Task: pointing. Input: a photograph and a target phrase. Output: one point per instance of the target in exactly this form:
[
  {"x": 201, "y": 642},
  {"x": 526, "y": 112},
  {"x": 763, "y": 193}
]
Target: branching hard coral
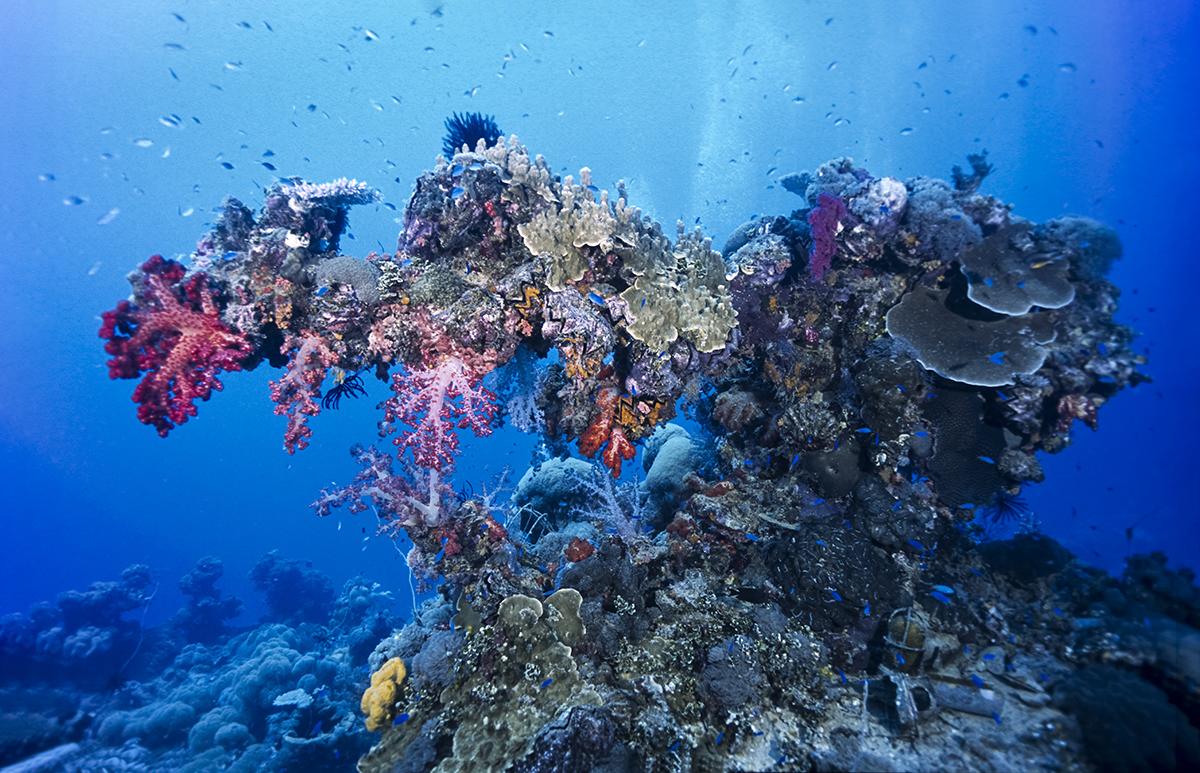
[
  {"x": 340, "y": 193},
  {"x": 429, "y": 403},
  {"x": 172, "y": 332},
  {"x": 680, "y": 291},
  {"x": 296, "y": 394}
]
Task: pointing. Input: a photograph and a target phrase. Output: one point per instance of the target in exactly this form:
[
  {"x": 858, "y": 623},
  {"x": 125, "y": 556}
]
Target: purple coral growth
[{"x": 824, "y": 220}]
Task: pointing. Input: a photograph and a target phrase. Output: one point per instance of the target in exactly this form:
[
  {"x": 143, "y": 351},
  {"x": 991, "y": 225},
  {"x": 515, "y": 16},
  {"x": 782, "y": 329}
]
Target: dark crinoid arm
[
  {"x": 351, "y": 387},
  {"x": 468, "y": 129}
]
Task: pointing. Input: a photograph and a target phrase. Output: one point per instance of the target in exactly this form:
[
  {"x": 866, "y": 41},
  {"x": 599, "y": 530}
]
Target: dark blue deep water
[{"x": 125, "y": 124}]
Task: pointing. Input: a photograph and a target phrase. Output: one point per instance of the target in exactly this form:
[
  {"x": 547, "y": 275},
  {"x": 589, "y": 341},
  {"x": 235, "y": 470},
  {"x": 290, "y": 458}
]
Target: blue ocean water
[{"x": 132, "y": 108}]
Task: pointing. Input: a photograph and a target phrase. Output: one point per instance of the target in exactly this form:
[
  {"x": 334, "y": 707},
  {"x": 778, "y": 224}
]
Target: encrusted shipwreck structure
[{"x": 796, "y": 581}]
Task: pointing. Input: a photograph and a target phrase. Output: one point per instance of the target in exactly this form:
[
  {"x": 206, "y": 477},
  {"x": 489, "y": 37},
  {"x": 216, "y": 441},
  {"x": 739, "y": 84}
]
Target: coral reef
[
  {"x": 269, "y": 697},
  {"x": 803, "y": 578}
]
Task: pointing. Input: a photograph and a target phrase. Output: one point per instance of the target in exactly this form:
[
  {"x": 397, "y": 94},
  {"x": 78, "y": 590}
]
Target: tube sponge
[{"x": 379, "y": 700}]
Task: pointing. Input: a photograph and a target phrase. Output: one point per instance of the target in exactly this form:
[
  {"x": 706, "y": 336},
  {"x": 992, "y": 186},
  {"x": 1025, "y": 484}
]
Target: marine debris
[{"x": 798, "y": 581}]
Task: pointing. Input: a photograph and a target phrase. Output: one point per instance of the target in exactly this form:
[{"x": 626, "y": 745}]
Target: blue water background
[{"x": 699, "y": 106}]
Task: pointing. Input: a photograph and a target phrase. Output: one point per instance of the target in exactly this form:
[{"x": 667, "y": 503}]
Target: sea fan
[{"x": 468, "y": 129}]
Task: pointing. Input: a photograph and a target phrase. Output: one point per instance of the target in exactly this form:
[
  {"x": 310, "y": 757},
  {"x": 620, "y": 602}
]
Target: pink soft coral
[
  {"x": 296, "y": 394},
  {"x": 173, "y": 334},
  {"x": 401, "y": 500},
  {"x": 432, "y": 401}
]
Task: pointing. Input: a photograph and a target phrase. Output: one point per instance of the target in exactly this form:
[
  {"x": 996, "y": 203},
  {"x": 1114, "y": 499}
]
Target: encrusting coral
[{"x": 379, "y": 700}]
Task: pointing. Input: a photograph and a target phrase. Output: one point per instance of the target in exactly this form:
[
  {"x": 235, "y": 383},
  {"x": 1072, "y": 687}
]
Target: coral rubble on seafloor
[{"x": 800, "y": 580}]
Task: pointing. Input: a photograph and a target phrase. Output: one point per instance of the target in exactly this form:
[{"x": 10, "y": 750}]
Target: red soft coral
[
  {"x": 432, "y": 401},
  {"x": 296, "y": 393},
  {"x": 172, "y": 333},
  {"x": 604, "y": 429}
]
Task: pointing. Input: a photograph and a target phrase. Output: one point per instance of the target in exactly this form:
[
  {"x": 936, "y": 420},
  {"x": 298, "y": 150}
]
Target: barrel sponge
[
  {"x": 1008, "y": 273},
  {"x": 379, "y": 700},
  {"x": 979, "y": 352}
]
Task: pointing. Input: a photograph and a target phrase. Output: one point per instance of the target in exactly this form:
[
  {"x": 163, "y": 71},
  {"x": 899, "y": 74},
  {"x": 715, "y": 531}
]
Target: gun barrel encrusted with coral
[{"x": 868, "y": 372}]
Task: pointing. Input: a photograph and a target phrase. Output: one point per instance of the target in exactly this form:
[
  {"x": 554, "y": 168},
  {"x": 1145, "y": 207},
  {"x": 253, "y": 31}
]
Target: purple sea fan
[{"x": 825, "y": 221}]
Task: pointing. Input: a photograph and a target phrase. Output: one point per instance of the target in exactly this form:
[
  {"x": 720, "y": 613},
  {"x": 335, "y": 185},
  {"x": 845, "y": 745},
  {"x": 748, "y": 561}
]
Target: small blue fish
[
  {"x": 836, "y": 596},
  {"x": 456, "y": 192},
  {"x": 939, "y": 596},
  {"x": 921, "y": 433},
  {"x": 752, "y": 537},
  {"x": 867, "y": 609},
  {"x": 996, "y": 716},
  {"x": 456, "y": 170},
  {"x": 944, "y": 589},
  {"x": 916, "y": 544},
  {"x": 990, "y": 656},
  {"x": 997, "y": 358},
  {"x": 321, "y": 291},
  {"x": 900, "y": 658},
  {"x": 400, "y": 719},
  {"x": 720, "y": 737},
  {"x": 986, "y": 459},
  {"x": 978, "y": 682},
  {"x": 897, "y": 505},
  {"x": 229, "y": 255},
  {"x": 674, "y": 747},
  {"x": 842, "y": 676},
  {"x": 317, "y": 728},
  {"x": 864, "y": 430},
  {"x": 546, "y": 683},
  {"x": 596, "y": 298},
  {"x": 440, "y": 555},
  {"x": 818, "y": 501},
  {"x": 227, "y": 165},
  {"x": 822, "y": 543}
]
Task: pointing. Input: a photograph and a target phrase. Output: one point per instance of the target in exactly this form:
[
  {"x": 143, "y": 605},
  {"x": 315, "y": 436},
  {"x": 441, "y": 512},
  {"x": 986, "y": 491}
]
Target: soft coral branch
[
  {"x": 400, "y": 501},
  {"x": 296, "y": 394},
  {"x": 429, "y": 403},
  {"x": 173, "y": 333},
  {"x": 605, "y": 430}
]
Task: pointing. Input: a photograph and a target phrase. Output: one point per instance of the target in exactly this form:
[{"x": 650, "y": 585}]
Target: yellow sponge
[{"x": 379, "y": 700}]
